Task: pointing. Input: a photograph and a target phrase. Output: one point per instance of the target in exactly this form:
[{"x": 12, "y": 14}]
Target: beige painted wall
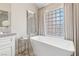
[
  {"x": 18, "y": 17},
  {"x": 41, "y": 12},
  {"x": 5, "y": 6}
]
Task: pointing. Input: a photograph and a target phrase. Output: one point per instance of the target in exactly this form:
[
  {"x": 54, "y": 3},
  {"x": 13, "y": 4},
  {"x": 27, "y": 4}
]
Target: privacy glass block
[
  {"x": 54, "y": 19},
  {"x": 58, "y": 18},
  {"x": 57, "y": 11},
  {"x": 57, "y": 14},
  {"x": 61, "y": 9},
  {"x": 54, "y": 15},
  {"x": 61, "y": 13},
  {"x": 55, "y": 22},
  {"x": 62, "y": 18},
  {"x": 53, "y": 12}
]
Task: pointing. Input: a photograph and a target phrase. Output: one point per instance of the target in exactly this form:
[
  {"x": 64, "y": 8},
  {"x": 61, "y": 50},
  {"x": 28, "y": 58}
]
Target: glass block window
[{"x": 54, "y": 22}]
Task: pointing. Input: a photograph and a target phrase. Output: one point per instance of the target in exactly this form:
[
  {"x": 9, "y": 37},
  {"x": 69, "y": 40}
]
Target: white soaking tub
[{"x": 51, "y": 46}]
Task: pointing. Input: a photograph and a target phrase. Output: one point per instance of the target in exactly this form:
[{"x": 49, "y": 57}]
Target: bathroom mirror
[
  {"x": 31, "y": 23},
  {"x": 4, "y": 18}
]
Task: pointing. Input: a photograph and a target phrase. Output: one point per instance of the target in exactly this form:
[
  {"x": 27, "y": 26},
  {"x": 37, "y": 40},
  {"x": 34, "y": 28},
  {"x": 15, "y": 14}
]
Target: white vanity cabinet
[{"x": 7, "y": 45}]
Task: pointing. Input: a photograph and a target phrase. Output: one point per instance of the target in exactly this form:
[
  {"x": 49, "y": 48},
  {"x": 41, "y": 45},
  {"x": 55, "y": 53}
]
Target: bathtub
[{"x": 51, "y": 46}]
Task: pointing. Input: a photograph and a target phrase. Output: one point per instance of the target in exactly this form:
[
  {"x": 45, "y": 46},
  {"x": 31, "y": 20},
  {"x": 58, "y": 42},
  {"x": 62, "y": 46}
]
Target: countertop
[{"x": 7, "y": 34}]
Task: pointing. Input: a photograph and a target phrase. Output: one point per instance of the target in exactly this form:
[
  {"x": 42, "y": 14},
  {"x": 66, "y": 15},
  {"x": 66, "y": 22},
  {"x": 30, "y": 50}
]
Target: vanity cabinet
[
  {"x": 6, "y": 51},
  {"x": 7, "y": 45}
]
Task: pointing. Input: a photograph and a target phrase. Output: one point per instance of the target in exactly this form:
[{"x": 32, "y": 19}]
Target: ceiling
[{"x": 40, "y": 5}]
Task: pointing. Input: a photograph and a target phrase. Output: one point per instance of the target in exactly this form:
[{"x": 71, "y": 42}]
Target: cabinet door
[{"x": 6, "y": 51}]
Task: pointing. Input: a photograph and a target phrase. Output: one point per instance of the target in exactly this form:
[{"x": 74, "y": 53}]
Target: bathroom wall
[
  {"x": 6, "y": 7},
  {"x": 18, "y": 17},
  {"x": 41, "y": 14}
]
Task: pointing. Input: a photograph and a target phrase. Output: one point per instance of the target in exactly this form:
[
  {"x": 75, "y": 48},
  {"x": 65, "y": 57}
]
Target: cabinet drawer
[
  {"x": 6, "y": 51},
  {"x": 4, "y": 41}
]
